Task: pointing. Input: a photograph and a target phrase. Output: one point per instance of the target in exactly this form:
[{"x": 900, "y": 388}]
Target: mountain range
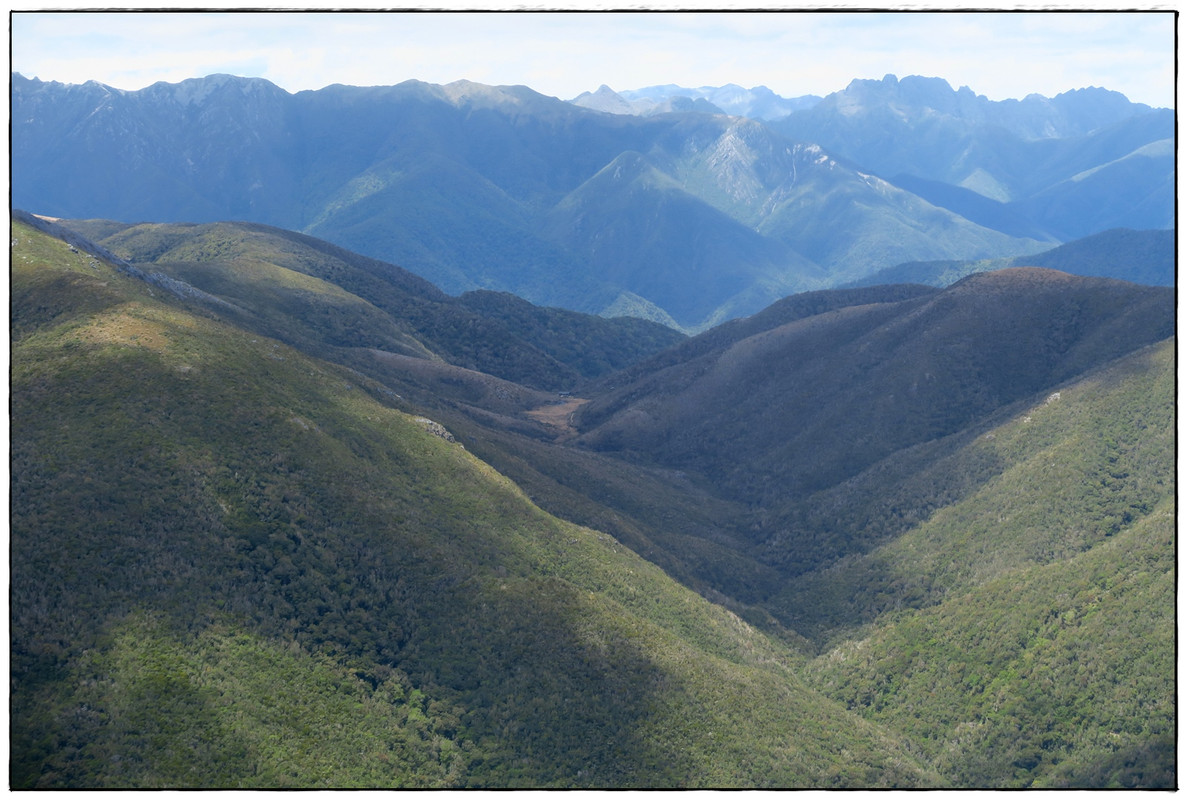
[
  {"x": 758, "y": 102},
  {"x": 284, "y": 515},
  {"x": 1082, "y": 162},
  {"x": 688, "y": 217}
]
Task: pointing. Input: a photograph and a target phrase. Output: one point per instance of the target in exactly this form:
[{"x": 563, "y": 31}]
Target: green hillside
[
  {"x": 802, "y": 406},
  {"x": 306, "y": 292},
  {"x": 1054, "y": 676},
  {"x": 291, "y": 287},
  {"x": 1059, "y": 476},
  {"x": 236, "y": 565},
  {"x": 1044, "y": 653},
  {"x": 283, "y": 516}
]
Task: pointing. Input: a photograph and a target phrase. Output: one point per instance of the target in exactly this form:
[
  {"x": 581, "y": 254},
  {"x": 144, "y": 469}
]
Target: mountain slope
[
  {"x": 1047, "y": 629},
  {"x": 882, "y": 222},
  {"x": 291, "y": 286},
  {"x": 805, "y": 405},
  {"x": 253, "y": 548},
  {"x": 1146, "y": 257},
  {"x": 1013, "y": 151},
  {"x": 643, "y": 232},
  {"x": 1132, "y": 191},
  {"x": 269, "y": 550},
  {"x": 957, "y": 131},
  {"x": 428, "y": 350},
  {"x": 1039, "y": 483},
  {"x": 482, "y": 188}
]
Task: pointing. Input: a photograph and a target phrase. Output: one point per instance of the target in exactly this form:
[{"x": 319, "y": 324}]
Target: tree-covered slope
[
  {"x": 1052, "y": 479},
  {"x": 1039, "y": 648},
  {"x": 1144, "y": 256},
  {"x": 428, "y": 350},
  {"x": 1056, "y": 676},
  {"x": 237, "y": 565},
  {"x": 642, "y": 231},
  {"x": 305, "y": 291},
  {"x": 271, "y": 528},
  {"x": 801, "y": 406}
]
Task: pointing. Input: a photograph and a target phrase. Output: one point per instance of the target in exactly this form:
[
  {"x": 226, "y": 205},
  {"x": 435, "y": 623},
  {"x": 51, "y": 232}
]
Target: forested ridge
[{"x": 283, "y": 517}]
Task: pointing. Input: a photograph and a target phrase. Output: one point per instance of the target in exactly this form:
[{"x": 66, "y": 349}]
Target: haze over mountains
[
  {"x": 687, "y": 217},
  {"x": 318, "y": 499},
  {"x": 758, "y": 102}
]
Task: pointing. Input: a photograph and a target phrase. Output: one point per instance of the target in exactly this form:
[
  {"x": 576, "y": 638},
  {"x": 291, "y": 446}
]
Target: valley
[
  {"x": 559, "y": 415},
  {"x": 459, "y": 436},
  {"x": 284, "y": 515}
]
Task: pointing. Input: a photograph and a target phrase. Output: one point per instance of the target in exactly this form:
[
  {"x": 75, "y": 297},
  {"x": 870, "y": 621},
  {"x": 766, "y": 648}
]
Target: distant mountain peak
[
  {"x": 470, "y": 93},
  {"x": 192, "y": 91},
  {"x": 758, "y": 102},
  {"x": 604, "y": 99}
]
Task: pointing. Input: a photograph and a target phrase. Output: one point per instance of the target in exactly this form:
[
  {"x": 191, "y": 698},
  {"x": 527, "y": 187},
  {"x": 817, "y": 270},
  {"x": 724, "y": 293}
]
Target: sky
[{"x": 998, "y": 54}]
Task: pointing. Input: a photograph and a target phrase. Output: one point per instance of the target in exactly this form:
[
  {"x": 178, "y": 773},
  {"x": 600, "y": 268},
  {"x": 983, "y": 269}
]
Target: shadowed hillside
[
  {"x": 235, "y": 565},
  {"x": 1043, "y": 654},
  {"x": 353, "y": 301},
  {"x": 804, "y": 405},
  {"x": 285, "y": 516}
]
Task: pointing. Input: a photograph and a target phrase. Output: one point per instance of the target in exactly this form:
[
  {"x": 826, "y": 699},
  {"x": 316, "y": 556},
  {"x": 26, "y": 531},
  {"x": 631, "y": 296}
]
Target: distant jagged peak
[
  {"x": 1098, "y": 92},
  {"x": 916, "y": 98},
  {"x": 920, "y": 89},
  {"x": 757, "y": 102},
  {"x": 912, "y": 91},
  {"x": 19, "y": 81},
  {"x": 196, "y": 90}
]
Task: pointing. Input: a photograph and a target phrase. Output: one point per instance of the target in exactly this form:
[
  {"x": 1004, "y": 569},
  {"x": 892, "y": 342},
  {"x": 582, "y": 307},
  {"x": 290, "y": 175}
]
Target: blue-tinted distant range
[
  {"x": 997, "y": 54},
  {"x": 604, "y": 163}
]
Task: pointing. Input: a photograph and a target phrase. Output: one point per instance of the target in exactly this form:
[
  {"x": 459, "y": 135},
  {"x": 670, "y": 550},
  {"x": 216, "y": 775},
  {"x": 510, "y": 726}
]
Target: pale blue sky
[{"x": 997, "y": 54}]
